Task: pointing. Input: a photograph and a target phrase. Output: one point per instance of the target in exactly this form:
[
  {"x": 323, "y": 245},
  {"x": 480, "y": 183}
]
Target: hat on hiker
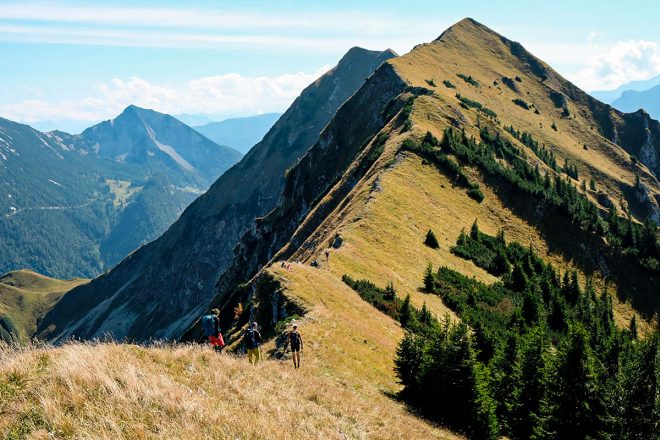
[
  {"x": 215, "y": 312},
  {"x": 295, "y": 325}
]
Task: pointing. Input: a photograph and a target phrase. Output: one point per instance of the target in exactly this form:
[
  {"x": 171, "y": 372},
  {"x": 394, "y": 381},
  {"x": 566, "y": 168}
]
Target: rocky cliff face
[{"x": 160, "y": 289}]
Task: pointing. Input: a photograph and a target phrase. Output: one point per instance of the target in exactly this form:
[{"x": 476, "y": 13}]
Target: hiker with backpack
[
  {"x": 252, "y": 340},
  {"x": 296, "y": 342},
  {"x": 211, "y": 327}
]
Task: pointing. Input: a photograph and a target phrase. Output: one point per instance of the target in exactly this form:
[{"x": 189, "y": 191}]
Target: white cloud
[
  {"x": 619, "y": 63},
  {"x": 214, "y": 95}
]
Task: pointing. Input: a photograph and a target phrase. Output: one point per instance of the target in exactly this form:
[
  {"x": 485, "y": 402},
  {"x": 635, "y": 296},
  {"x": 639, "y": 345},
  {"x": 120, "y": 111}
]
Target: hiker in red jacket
[{"x": 211, "y": 327}]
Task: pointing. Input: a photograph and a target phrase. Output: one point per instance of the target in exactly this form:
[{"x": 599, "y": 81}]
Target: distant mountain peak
[
  {"x": 465, "y": 26},
  {"x": 358, "y": 54}
]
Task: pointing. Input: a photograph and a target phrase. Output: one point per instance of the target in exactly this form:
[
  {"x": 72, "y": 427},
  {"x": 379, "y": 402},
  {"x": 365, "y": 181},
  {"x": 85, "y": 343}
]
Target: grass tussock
[{"x": 129, "y": 392}]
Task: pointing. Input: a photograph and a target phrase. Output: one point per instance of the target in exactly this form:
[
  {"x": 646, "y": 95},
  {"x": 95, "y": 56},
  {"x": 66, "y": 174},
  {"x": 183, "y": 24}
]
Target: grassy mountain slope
[
  {"x": 25, "y": 297},
  {"x": 128, "y": 392},
  {"x": 588, "y": 122},
  {"x": 170, "y": 281}
]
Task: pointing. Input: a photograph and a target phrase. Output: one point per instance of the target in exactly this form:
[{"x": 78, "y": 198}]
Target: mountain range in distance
[
  {"x": 633, "y": 100},
  {"x": 633, "y": 96},
  {"x": 609, "y": 96},
  {"x": 75, "y": 205},
  {"x": 239, "y": 133}
]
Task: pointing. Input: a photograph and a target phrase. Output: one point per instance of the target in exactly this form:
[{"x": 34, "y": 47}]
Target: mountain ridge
[
  {"x": 195, "y": 250},
  {"x": 557, "y": 95}
]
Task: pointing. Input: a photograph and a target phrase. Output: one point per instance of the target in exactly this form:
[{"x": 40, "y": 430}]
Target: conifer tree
[
  {"x": 518, "y": 278},
  {"x": 529, "y": 384},
  {"x": 575, "y": 408},
  {"x": 640, "y": 406},
  {"x": 633, "y": 327},
  {"x": 474, "y": 230},
  {"x": 405, "y": 313},
  {"x": 409, "y": 361},
  {"x": 425, "y": 316},
  {"x": 484, "y": 423},
  {"x": 502, "y": 366},
  {"x": 428, "y": 278}
]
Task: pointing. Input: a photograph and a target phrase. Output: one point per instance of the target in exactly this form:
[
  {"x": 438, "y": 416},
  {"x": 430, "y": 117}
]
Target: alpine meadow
[{"x": 445, "y": 239}]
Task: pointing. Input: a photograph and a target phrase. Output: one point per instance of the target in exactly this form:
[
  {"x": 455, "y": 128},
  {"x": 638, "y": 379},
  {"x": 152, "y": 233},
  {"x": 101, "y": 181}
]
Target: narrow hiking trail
[{"x": 50, "y": 208}]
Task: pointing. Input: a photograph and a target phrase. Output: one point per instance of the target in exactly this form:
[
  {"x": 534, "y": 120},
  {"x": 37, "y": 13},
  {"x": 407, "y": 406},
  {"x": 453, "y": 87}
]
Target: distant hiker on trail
[
  {"x": 252, "y": 340},
  {"x": 327, "y": 256},
  {"x": 211, "y": 327},
  {"x": 296, "y": 342}
]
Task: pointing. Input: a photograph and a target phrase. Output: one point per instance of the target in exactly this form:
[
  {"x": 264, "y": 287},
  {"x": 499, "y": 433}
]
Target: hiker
[
  {"x": 296, "y": 342},
  {"x": 327, "y": 255},
  {"x": 211, "y": 327},
  {"x": 252, "y": 340}
]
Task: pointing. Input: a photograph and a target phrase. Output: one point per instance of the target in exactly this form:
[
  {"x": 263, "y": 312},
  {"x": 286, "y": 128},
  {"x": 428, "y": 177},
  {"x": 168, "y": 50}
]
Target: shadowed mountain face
[
  {"x": 74, "y": 205},
  {"x": 159, "y": 290},
  {"x": 239, "y": 133}
]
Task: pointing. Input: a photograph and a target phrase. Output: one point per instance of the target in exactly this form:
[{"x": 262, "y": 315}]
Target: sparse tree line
[
  {"x": 535, "y": 355},
  {"x": 497, "y": 157}
]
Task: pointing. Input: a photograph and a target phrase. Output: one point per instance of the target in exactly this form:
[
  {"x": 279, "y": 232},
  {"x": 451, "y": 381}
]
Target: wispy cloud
[
  {"x": 190, "y": 27},
  {"x": 213, "y": 95},
  {"x": 616, "y": 64}
]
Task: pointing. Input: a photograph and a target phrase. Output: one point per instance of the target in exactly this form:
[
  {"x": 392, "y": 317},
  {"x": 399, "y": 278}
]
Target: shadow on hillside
[
  {"x": 586, "y": 251},
  {"x": 414, "y": 410}
]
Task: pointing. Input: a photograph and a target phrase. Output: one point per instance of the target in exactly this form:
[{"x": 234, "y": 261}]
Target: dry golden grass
[{"x": 185, "y": 392}]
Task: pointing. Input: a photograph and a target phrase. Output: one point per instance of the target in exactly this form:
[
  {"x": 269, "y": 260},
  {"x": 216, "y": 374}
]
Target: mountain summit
[{"x": 149, "y": 138}]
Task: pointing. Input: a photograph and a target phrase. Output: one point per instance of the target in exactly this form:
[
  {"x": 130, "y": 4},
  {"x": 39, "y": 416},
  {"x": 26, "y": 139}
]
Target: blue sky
[{"x": 69, "y": 64}]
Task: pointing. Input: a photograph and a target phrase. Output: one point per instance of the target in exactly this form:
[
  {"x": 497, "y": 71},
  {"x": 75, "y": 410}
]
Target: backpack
[
  {"x": 295, "y": 339},
  {"x": 250, "y": 339},
  {"x": 208, "y": 325}
]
